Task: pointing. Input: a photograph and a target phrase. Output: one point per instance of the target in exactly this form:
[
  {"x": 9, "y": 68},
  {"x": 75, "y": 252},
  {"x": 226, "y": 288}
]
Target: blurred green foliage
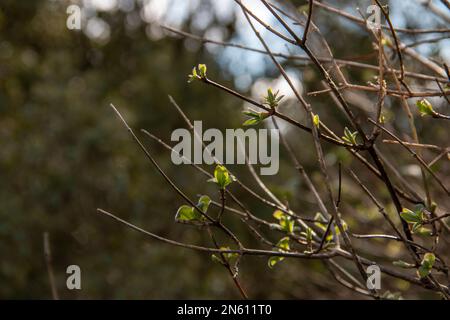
[{"x": 64, "y": 153}]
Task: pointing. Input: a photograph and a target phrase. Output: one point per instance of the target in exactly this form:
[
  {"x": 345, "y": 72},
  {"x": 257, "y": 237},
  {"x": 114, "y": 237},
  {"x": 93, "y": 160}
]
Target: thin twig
[
  {"x": 48, "y": 261},
  {"x": 308, "y": 21},
  {"x": 415, "y": 155}
]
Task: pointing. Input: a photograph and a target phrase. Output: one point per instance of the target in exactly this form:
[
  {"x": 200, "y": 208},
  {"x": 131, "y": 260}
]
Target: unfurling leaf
[
  {"x": 316, "y": 120},
  {"x": 286, "y": 222},
  {"x": 278, "y": 214},
  {"x": 222, "y": 177},
  {"x": 349, "y": 136},
  {"x": 425, "y": 107},
  {"x": 416, "y": 218},
  {"x": 321, "y": 222},
  {"x": 426, "y": 265},
  {"x": 423, "y": 272},
  {"x": 193, "y": 76},
  {"x": 273, "y": 261},
  {"x": 251, "y": 122},
  {"x": 255, "y": 117},
  {"x": 428, "y": 260},
  {"x": 282, "y": 246},
  {"x": 198, "y": 73},
  {"x": 272, "y": 99},
  {"x": 308, "y": 234},
  {"x": 422, "y": 231},
  {"x": 186, "y": 213},
  {"x": 251, "y": 113},
  {"x": 203, "y": 203},
  {"x": 411, "y": 216},
  {"x": 202, "y": 70}
]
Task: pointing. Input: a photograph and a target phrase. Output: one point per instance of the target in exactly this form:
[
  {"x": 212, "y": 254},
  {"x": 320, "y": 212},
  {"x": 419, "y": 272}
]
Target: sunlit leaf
[
  {"x": 186, "y": 213},
  {"x": 425, "y": 107},
  {"x": 203, "y": 203},
  {"x": 410, "y": 216},
  {"x": 272, "y": 99},
  {"x": 282, "y": 246},
  {"x": 222, "y": 176},
  {"x": 202, "y": 70},
  {"x": 273, "y": 261},
  {"x": 316, "y": 120},
  {"x": 278, "y": 214},
  {"x": 426, "y": 265}
]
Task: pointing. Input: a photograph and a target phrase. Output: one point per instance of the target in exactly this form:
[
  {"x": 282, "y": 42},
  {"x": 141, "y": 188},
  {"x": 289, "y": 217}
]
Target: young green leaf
[
  {"x": 285, "y": 221},
  {"x": 410, "y": 216},
  {"x": 416, "y": 218},
  {"x": 426, "y": 265},
  {"x": 416, "y": 226},
  {"x": 428, "y": 260},
  {"x": 308, "y": 234},
  {"x": 273, "y": 261},
  {"x": 203, "y": 203},
  {"x": 287, "y": 224},
  {"x": 321, "y": 222},
  {"x": 186, "y": 213},
  {"x": 278, "y": 214},
  {"x": 222, "y": 177},
  {"x": 270, "y": 95},
  {"x": 423, "y": 271},
  {"x": 193, "y": 76},
  {"x": 425, "y": 107},
  {"x": 316, "y": 120},
  {"x": 255, "y": 117},
  {"x": 251, "y": 113},
  {"x": 198, "y": 73},
  {"x": 349, "y": 136},
  {"x": 272, "y": 99},
  {"x": 202, "y": 70},
  {"x": 282, "y": 246},
  {"x": 251, "y": 122},
  {"x": 422, "y": 231}
]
